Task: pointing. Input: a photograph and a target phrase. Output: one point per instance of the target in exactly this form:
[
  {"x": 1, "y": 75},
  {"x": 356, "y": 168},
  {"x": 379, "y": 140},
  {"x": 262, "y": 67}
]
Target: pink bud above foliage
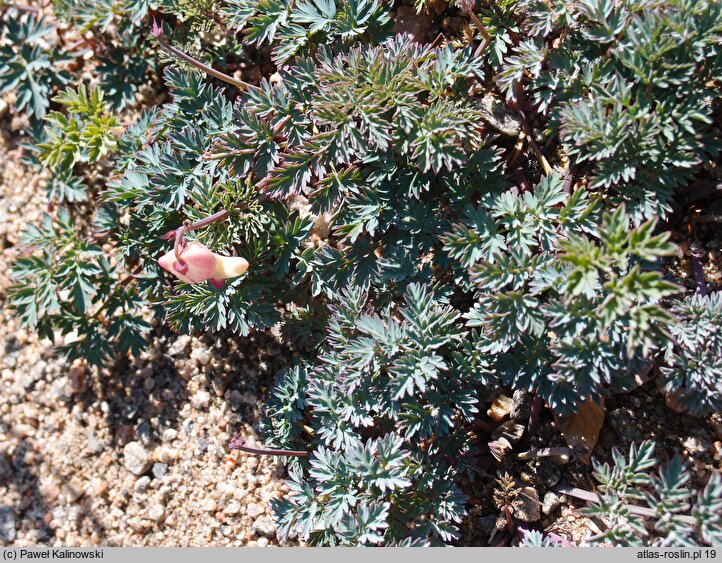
[
  {"x": 200, "y": 263},
  {"x": 156, "y": 30}
]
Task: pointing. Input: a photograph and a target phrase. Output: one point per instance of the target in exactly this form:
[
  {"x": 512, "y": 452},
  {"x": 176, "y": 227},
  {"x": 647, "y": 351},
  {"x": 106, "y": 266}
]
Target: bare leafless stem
[{"x": 163, "y": 42}]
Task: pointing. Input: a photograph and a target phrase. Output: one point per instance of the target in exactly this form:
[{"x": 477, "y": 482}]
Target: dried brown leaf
[{"x": 581, "y": 430}]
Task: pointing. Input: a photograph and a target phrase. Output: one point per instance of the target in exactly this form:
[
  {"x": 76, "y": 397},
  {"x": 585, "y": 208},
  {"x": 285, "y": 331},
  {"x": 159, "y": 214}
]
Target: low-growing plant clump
[{"x": 430, "y": 222}]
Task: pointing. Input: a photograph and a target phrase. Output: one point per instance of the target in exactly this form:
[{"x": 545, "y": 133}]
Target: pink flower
[
  {"x": 156, "y": 30},
  {"x": 199, "y": 263}
]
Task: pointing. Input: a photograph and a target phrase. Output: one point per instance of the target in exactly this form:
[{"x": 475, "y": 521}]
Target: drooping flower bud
[
  {"x": 156, "y": 30},
  {"x": 199, "y": 263}
]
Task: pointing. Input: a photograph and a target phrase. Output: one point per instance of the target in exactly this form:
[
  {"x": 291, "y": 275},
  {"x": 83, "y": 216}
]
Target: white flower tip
[{"x": 230, "y": 267}]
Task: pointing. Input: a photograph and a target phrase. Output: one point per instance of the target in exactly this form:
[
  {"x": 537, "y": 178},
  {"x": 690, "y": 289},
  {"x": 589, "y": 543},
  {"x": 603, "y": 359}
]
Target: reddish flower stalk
[
  {"x": 188, "y": 226},
  {"x": 509, "y": 520},
  {"x": 239, "y": 443},
  {"x": 178, "y": 247},
  {"x": 157, "y": 32},
  {"x": 484, "y": 33}
]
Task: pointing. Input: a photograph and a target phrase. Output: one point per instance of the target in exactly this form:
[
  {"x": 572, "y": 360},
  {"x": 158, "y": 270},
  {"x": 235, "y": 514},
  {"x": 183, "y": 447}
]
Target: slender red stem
[
  {"x": 509, "y": 520},
  {"x": 188, "y": 226},
  {"x": 180, "y": 265}
]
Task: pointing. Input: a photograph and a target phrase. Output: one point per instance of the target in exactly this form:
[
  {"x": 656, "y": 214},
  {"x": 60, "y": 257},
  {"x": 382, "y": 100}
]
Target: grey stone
[
  {"x": 552, "y": 501},
  {"x": 548, "y": 473},
  {"x": 73, "y": 490},
  {"x": 33, "y": 376},
  {"x": 159, "y": 470},
  {"x": 264, "y": 526},
  {"x": 233, "y": 507},
  {"x": 144, "y": 433},
  {"x": 180, "y": 346},
  {"x": 156, "y": 512},
  {"x": 94, "y": 444},
  {"x": 7, "y": 524},
  {"x": 136, "y": 458},
  {"x": 527, "y": 505},
  {"x": 209, "y": 505},
  {"x": 59, "y": 389},
  {"x": 142, "y": 484},
  {"x": 495, "y": 113},
  {"x": 622, "y": 422},
  {"x": 201, "y": 399},
  {"x": 187, "y": 427}
]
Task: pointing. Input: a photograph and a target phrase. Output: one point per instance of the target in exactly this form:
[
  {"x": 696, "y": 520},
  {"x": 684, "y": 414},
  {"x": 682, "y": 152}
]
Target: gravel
[
  {"x": 698, "y": 442},
  {"x": 99, "y": 457}
]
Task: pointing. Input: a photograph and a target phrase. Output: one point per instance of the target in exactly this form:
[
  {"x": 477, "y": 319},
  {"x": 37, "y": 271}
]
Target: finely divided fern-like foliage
[
  {"x": 388, "y": 401},
  {"x": 629, "y": 90},
  {"x": 642, "y": 507},
  {"x": 27, "y": 68},
  {"x": 693, "y": 360},
  {"x": 425, "y": 222},
  {"x": 292, "y": 28},
  {"x": 679, "y": 517}
]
